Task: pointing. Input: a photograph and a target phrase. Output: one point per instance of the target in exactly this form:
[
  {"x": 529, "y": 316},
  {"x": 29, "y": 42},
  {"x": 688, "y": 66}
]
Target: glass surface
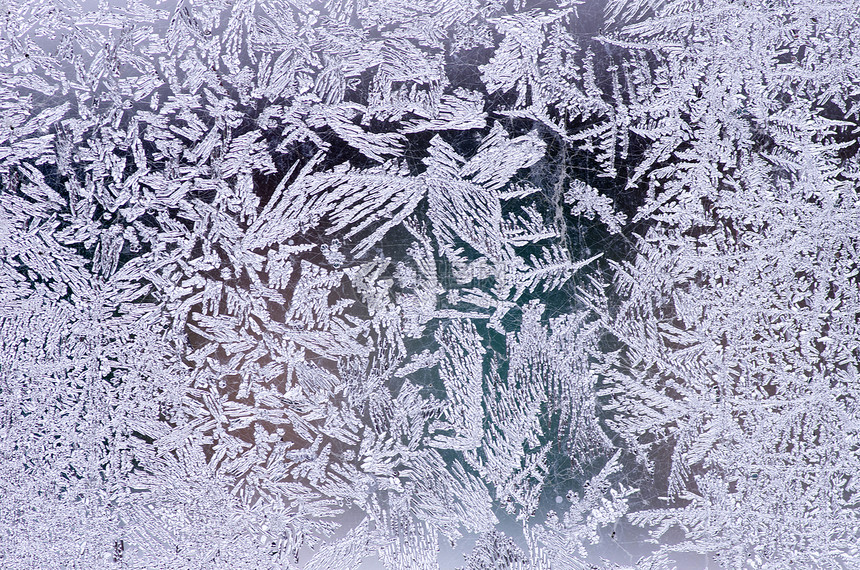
[{"x": 429, "y": 284}]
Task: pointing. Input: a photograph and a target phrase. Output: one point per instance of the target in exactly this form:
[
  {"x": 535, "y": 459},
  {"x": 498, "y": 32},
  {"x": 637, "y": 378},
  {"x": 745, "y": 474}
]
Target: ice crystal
[{"x": 423, "y": 284}]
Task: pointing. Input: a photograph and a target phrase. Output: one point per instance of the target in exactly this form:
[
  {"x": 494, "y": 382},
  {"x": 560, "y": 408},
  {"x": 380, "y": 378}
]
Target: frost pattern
[{"x": 336, "y": 284}]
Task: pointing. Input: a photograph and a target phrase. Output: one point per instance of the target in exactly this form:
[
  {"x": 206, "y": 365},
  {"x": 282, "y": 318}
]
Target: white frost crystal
[{"x": 398, "y": 284}]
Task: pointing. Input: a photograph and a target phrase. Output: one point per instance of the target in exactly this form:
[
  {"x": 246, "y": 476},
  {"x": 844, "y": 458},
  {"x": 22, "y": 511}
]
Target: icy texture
[{"x": 413, "y": 284}]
